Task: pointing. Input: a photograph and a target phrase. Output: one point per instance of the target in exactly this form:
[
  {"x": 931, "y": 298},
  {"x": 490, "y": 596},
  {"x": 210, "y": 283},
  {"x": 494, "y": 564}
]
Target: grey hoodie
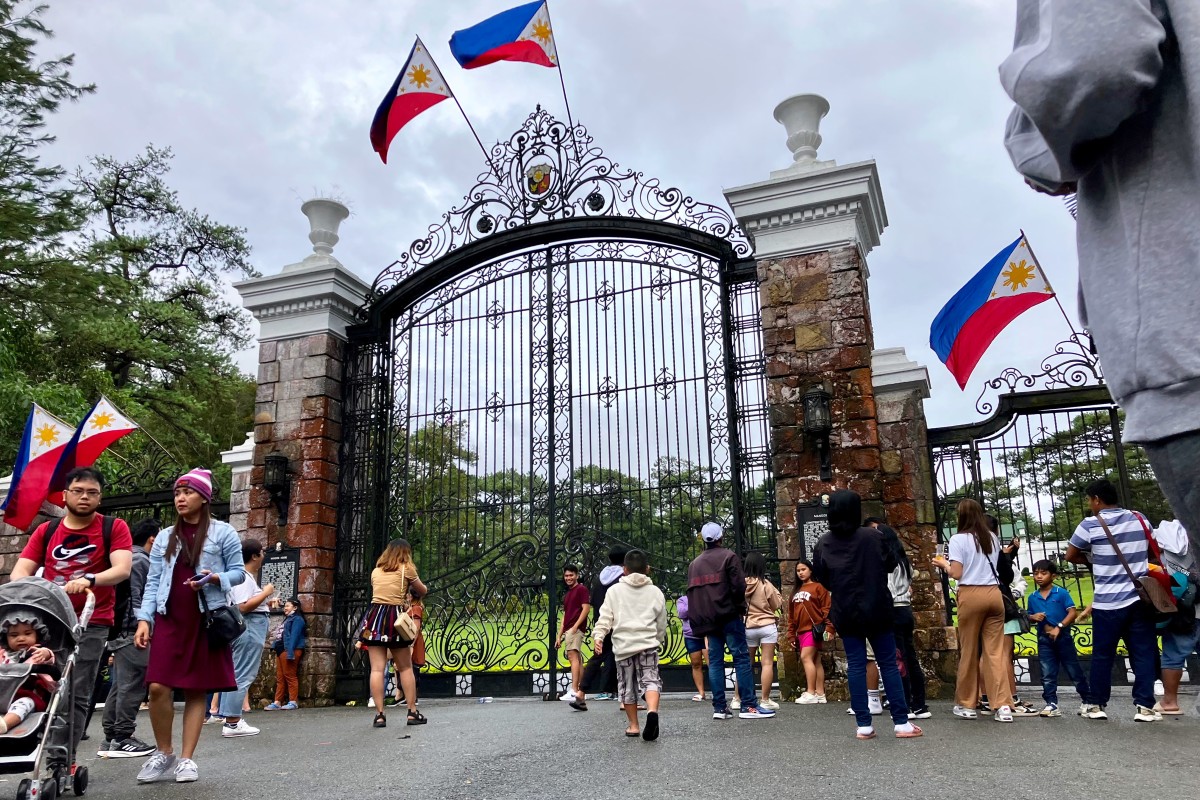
[{"x": 1108, "y": 96}]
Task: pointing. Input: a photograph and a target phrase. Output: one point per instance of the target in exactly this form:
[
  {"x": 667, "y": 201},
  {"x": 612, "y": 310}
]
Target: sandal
[
  {"x": 380, "y": 721},
  {"x": 697, "y": 698},
  {"x": 416, "y": 718}
]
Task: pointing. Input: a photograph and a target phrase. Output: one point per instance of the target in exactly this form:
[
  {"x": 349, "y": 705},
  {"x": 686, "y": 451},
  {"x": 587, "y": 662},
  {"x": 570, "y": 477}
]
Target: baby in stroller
[{"x": 21, "y": 635}]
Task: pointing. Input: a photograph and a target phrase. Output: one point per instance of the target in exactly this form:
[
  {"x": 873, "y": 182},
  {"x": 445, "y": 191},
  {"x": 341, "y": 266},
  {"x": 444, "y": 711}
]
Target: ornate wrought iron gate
[
  {"x": 571, "y": 360},
  {"x": 1029, "y": 462}
]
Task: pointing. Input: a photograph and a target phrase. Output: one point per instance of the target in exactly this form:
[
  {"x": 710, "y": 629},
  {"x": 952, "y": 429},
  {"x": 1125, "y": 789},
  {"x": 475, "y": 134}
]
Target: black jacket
[
  {"x": 716, "y": 590},
  {"x": 853, "y": 564}
]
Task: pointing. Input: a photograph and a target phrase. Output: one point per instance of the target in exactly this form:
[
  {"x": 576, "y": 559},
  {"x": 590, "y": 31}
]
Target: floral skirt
[{"x": 378, "y": 627}]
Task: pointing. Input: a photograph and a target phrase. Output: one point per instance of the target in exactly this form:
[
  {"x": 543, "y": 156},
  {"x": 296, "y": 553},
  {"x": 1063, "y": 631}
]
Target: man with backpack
[
  {"x": 81, "y": 552},
  {"x": 716, "y": 610},
  {"x": 129, "y": 662}
]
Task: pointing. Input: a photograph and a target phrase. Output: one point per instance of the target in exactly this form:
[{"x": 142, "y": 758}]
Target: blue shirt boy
[{"x": 1055, "y": 605}]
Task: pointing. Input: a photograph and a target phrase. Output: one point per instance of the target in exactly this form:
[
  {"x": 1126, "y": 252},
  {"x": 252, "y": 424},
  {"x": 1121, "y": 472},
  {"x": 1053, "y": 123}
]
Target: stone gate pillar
[
  {"x": 303, "y": 312},
  {"x": 813, "y": 225}
]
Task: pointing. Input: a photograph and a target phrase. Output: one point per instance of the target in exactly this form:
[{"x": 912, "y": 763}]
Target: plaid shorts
[{"x": 637, "y": 675}]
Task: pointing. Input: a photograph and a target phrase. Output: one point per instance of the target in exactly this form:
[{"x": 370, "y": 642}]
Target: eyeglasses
[{"x": 91, "y": 494}]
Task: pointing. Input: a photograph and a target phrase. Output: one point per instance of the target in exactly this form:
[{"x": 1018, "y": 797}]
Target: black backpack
[{"x": 123, "y": 590}]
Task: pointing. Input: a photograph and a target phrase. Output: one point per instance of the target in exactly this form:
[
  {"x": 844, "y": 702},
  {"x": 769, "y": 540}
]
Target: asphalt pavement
[{"x": 530, "y": 749}]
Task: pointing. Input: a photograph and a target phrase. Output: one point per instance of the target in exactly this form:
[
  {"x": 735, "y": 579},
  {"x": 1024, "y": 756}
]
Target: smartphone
[{"x": 201, "y": 578}]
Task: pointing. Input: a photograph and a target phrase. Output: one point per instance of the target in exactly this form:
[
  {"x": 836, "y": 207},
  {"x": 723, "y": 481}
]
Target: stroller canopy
[{"x": 49, "y": 603}]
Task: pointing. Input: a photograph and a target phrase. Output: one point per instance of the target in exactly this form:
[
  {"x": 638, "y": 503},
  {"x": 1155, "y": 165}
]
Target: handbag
[
  {"x": 222, "y": 625},
  {"x": 405, "y": 626},
  {"x": 1012, "y": 611},
  {"x": 1148, "y": 589}
]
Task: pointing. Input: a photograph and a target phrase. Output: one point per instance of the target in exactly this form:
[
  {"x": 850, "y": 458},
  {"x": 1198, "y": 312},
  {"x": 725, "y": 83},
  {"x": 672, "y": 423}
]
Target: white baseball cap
[{"x": 711, "y": 532}]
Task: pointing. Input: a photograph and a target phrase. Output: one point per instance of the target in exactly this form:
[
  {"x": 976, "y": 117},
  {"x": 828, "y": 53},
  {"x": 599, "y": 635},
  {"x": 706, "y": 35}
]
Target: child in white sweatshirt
[{"x": 635, "y": 613}]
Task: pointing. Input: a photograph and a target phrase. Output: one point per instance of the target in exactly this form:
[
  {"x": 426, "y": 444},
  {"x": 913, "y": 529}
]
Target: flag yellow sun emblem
[
  {"x": 1018, "y": 275},
  {"x": 47, "y": 435},
  {"x": 103, "y": 420},
  {"x": 541, "y": 31},
  {"x": 420, "y": 76}
]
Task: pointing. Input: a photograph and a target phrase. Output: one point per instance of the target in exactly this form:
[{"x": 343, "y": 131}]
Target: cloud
[{"x": 266, "y": 104}]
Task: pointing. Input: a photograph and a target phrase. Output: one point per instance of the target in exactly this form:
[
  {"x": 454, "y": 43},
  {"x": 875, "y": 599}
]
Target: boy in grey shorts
[{"x": 635, "y": 613}]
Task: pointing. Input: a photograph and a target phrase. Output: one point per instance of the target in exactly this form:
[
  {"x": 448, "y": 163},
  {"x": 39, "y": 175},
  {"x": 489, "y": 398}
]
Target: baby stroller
[{"x": 40, "y": 746}]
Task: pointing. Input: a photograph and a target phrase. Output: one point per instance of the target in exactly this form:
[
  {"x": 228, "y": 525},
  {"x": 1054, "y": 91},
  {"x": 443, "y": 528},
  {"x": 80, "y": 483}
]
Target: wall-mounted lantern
[
  {"x": 277, "y": 482},
  {"x": 818, "y": 424}
]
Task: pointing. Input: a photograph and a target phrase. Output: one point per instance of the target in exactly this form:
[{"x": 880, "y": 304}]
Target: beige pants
[{"x": 981, "y": 645}]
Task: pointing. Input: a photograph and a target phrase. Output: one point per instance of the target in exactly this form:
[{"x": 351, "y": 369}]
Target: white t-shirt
[
  {"x": 976, "y": 571},
  {"x": 246, "y": 590}
]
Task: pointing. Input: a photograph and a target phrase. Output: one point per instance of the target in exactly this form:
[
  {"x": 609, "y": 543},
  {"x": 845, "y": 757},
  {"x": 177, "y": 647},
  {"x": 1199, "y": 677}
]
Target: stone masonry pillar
[
  {"x": 813, "y": 224},
  {"x": 303, "y": 312}
]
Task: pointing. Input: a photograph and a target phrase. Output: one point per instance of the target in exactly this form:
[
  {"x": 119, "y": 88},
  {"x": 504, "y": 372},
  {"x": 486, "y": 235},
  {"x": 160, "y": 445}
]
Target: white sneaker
[
  {"x": 735, "y": 705},
  {"x": 240, "y": 729},
  {"x": 1146, "y": 715},
  {"x": 156, "y": 767},
  {"x": 185, "y": 771},
  {"x": 1093, "y": 712},
  {"x": 1004, "y": 714},
  {"x": 806, "y": 699},
  {"x": 771, "y": 704},
  {"x": 965, "y": 713},
  {"x": 875, "y": 706},
  {"x": 821, "y": 699}
]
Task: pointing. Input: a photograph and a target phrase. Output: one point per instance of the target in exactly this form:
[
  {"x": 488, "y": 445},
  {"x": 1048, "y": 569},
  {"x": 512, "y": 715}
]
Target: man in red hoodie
[{"x": 717, "y": 609}]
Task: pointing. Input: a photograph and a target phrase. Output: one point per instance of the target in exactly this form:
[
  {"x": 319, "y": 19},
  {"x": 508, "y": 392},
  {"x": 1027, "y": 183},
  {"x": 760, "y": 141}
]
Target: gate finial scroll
[{"x": 545, "y": 171}]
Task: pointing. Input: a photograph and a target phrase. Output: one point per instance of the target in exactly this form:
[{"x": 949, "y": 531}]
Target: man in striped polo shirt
[{"x": 1117, "y": 613}]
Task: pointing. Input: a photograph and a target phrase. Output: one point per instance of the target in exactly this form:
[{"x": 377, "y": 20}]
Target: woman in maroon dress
[{"x": 181, "y": 657}]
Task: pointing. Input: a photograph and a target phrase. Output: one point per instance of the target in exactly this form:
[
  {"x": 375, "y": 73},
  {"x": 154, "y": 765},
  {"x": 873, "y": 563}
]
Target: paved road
[{"x": 528, "y": 749}]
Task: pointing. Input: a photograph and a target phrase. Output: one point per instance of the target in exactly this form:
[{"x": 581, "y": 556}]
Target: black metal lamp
[
  {"x": 277, "y": 483},
  {"x": 818, "y": 424}
]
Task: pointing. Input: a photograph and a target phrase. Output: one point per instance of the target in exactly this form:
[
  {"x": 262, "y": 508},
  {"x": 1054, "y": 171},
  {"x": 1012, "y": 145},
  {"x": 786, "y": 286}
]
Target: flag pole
[
  {"x": 1038, "y": 264},
  {"x": 454, "y": 96},
  {"x": 562, "y": 82}
]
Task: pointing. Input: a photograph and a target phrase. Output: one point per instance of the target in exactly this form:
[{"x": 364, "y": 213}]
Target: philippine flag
[
  {"x": 417, "y": 88},
  {"x": 1010, "y": 284},
  {"x": 45, "y": 439},
  {"x": 103, "y": 425},
  {"x": 519, "y": 34}
]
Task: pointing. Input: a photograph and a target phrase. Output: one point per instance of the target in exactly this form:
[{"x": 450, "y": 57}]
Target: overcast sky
[{"x": 268, "y": 103}]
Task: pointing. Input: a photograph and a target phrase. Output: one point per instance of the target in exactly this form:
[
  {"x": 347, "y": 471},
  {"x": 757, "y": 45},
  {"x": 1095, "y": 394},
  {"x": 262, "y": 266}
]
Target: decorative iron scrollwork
[
  {"x": 1073, "y": 363},
  {"x": 548, "y": 171}
]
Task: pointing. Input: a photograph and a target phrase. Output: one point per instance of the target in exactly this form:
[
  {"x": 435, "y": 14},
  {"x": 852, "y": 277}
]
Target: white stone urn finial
[
  {"x": 801, "y": 118},
  {"x": 324, "y": 217}
]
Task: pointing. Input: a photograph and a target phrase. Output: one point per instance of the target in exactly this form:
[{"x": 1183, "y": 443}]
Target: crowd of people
[{"x": 858, "y": 586}]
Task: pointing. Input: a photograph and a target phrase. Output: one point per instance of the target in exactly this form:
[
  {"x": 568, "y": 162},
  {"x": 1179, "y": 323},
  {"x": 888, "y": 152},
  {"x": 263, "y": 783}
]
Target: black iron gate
[
  {"x": 1029, "y": 462},
  {"x": 571, "y": 360}
]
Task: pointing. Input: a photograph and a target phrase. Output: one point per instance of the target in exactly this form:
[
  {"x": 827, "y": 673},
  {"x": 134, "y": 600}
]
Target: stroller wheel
[
  {"x": 81, "y": 781},
  {"x": 23, "y": 789}
]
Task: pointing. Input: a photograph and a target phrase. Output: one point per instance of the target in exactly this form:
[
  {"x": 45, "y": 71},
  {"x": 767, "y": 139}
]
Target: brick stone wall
[
  {"x": 298, "y": 412},
  {"x": 817, "y": 331}
]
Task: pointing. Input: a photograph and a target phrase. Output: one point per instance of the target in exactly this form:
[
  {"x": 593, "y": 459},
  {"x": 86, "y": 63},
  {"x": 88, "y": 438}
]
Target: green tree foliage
[
  {"x": 108, "y": 283},
  {"x": 1043, "y": 482}
]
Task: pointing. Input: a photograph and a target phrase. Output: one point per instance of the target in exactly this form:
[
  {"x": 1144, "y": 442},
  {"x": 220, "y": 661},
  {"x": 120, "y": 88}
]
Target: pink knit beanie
[{"x": 198, "y": 480}]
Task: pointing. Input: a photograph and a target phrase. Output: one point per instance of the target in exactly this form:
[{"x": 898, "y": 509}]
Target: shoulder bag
[
  {"x": 221, "y": 625},
  {"x": 405, "y": 626},
  {"x": 1012, "y": 611},
  {"x": 1148, "y": 589}
]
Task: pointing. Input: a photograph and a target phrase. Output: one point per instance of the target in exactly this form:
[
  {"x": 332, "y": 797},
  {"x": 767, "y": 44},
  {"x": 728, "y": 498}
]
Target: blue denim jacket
[
  {"x": 295, "y": 634},
  {"x": 222, "y": 554}
]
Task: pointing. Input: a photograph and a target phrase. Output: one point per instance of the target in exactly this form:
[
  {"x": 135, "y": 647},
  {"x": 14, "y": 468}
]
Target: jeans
[
  {"x": 127, "y": 692},
  {"x": 602, "y": 666},
  {"x": 1056, "y": 653},
  {"x": 734, "y": 637},
  {"x": 247, "y": 655},
  {"x": 1135, "y": 625},
  {"x": 884, "y": 645},
  {"x": 914, "y": 684},
  {"x": 87, "y": 667}
]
